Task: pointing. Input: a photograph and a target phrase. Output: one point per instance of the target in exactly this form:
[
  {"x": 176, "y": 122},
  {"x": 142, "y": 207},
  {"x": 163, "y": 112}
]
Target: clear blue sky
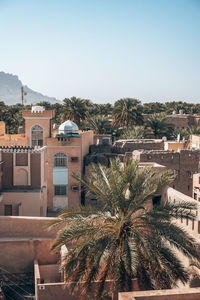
[{"x": 104, "y": 50}]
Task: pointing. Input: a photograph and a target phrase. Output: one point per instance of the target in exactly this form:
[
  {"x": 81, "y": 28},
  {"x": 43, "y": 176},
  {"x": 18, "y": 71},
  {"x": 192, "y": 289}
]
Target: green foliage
[
  {"x": 127, "y": 238},
  {"x": 159, "y": 126},
  {"x": 127, "y": 112},
  {"x": 75, "y": 109},
  {"x": 185, "y": 133},
  {"x": 99, "y": 124},
  {"x": 136, "y": 132}
]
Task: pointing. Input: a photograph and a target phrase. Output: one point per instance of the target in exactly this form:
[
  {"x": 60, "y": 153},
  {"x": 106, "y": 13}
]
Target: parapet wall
[
  {"x": 23, "y": 239},
  {"x": 122, "y": 146},
  {"x": 185, "y": 163},
  {"x": 26, "y": 227}
]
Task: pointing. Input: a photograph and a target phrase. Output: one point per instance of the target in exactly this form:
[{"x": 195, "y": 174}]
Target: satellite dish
[{"x": 164, "y": 138}]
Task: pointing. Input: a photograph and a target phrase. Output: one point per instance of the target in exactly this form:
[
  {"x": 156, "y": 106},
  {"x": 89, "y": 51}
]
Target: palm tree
[
  {"x": 99, "y": 124},
  {"x": 75, "y": 109},
  {"x": 137, "y": 132},
  {"x": 127, "y": 112},
  {"x": 186, "y": 132},
  {"x": 128, "y": 238},
  {"x": 159, "y": 125}
]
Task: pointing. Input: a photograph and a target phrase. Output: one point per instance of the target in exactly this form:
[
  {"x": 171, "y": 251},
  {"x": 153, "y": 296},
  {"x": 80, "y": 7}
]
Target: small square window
[{"x": 60, "y": 190}]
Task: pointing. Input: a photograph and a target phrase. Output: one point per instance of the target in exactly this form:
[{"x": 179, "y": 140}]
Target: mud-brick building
[
  {"x": 185, "y": 163},
  {"x": 65, "y": 151},
  {"x": 23, "y": 181}
]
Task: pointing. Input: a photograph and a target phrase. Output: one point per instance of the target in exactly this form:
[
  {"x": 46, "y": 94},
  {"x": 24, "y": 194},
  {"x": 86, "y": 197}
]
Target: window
[
  {"x": 7, "y": 210},
  {"x": 74, "y": 159},
  {"x": 195, "y": 196},
  {"x": 36, "y": 136},
  {"x": 156, "y": 200},
  {"x": 60, "y": 190},
  {"x": 189, "y": 174},
  {"x": 60, "y": 160}
]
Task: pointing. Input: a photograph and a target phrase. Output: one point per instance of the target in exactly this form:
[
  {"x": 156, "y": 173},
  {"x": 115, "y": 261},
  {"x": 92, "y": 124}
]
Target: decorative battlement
[
  {"x": 37, "y": 112},
  {"x": 20, "y": 149}
]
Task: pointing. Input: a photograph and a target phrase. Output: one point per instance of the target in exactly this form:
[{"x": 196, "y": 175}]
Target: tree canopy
[{"x": 129, "y": 237}]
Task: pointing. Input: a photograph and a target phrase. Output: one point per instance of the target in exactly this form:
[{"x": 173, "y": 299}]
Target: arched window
[
  {"x": 60, "y": 160},
  {"x": 36, "y": 136}
]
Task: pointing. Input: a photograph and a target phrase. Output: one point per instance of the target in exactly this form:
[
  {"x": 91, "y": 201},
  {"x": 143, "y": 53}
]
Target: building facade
[{"x": 65, "y": 151}]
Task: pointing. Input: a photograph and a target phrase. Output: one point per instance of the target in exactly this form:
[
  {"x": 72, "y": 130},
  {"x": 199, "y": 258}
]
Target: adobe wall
[
  {"x": 22, "y": 239},
  {"x": 17, "y": 256},
  {"x": 185, "y": 163},
  {"x": 175, "y": 146},
  {"x": 123, "y": 146},
  {"x": 72, "y": 149},
  {"x": 14, "y": 140},
  {"x": 61, "y": 291},
  {"x": 87, "y": 139},
  {"x": 35, "y": 169},
  {"x": 24, "y": 203},
  {"x": 194, "y": 141},
  {"x": 98, "y": 138},
  {"x": 174, "y": 294},
  {"x": 174, "y": 196},
  {"x": 181, "y": 121},
  {"x": 2, "y": 128},
  {"x": 41, "y": 118}
]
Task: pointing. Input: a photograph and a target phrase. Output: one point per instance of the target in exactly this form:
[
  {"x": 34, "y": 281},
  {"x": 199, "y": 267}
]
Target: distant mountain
[{"x": 10, "y": 91}]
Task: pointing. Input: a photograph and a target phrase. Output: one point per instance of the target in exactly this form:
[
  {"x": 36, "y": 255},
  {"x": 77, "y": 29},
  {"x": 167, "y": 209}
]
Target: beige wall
[
  {"x": 195, "y": 141},
  {"x": 23, "y": 239},
  {"x": 2, "y": 128},
  {"x": 29, "y": 203},
  {"x": 174, "y": 294},
  {"x": 26, "y": 227},
  {"x": 175, "y": 196},
  {"x": 17, "y": 255}
]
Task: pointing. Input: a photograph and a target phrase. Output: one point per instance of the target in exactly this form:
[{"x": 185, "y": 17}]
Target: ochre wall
[{"x": 23, "y": 239}]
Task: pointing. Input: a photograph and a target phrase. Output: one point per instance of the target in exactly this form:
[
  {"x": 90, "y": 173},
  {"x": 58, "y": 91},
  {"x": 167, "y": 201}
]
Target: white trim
[{"x": 32, "y": 118}]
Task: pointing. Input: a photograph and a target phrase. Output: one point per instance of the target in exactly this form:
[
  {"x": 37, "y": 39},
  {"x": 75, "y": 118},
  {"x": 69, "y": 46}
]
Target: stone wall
[{"x": 184, "y": 163}]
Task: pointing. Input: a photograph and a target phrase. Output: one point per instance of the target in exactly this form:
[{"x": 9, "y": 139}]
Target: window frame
[
  {"x": 57, "y": 161},
  {"x": 60, "y": 192},
  {"x": 31, "y": 136}
]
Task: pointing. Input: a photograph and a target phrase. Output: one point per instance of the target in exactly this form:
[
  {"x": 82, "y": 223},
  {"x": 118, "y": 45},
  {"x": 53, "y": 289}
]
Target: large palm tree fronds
[
  {"x": 129, "y": 237},
  {"x": 99, "y": 124},
  {"x": 159, "y": 125},
  {"x": 75, "y": 109},
  {"x": 127, "y": 112},
  {"x": 136, "y": 132}
]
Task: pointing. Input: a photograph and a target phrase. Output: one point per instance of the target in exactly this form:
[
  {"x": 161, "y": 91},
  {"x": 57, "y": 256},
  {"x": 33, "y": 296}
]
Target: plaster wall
[
  {"x": 174, "y": 294},
  {"x": 29, "y": 202},
  {"x": 23, "y": 239}
]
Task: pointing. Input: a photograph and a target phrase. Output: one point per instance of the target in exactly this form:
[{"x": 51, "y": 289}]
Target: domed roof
[{"x": 68, "y": 127}]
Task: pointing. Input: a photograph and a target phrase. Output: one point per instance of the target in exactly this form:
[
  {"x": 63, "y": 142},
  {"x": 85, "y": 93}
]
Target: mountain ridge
[{"x": 10, "y": 91}]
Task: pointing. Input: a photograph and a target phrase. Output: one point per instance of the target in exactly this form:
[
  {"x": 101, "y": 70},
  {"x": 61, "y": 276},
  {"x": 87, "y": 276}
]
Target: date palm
[
  {"x": 128, "y": 238},
  {"x": 137, "y": 132},
  {"x": 99, "y": 124},
  {"x": 159, "y": 125},
  {"x": 75, "y": 109},
  {"x": 127, "y": 112}
]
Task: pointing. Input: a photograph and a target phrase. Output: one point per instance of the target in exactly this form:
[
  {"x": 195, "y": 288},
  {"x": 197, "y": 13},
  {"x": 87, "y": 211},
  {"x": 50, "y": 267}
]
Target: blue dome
[{"x": 68, "y": 127}]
